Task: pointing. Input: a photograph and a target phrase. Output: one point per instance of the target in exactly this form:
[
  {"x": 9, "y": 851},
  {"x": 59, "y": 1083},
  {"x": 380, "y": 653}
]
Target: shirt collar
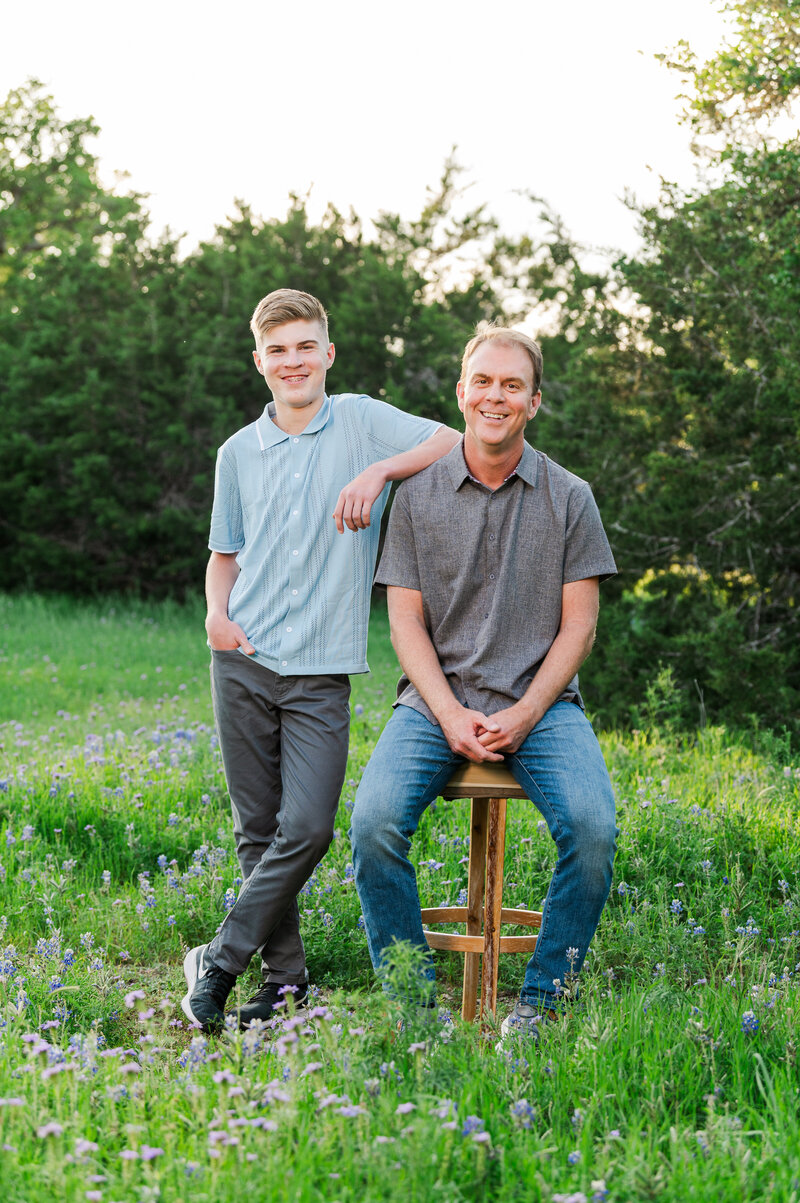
[
  {"x": 527, "y": 468},
  {"x": 269, "y": 435}
]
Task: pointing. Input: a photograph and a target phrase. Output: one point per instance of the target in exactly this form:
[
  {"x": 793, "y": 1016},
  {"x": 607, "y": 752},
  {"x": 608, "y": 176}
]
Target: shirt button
[
  {"x": 297, "y": 475},
  {"x": 491, "y": 536},
  {"x": 288, "y": 628},
  {"x": 295, "y": 553},
  {"x": 296, "y": 440},
  {"x": 284, "y": 663},
  {"x": 295, "y": 512},
  {"x": 491, "y": 574},
  {"x": 294, "y": 592}
]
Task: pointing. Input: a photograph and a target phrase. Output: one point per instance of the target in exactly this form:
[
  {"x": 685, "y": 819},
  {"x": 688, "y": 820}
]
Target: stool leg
[
  {"x": 477, "y": 866},
  {"x": 495, "y": 851}
]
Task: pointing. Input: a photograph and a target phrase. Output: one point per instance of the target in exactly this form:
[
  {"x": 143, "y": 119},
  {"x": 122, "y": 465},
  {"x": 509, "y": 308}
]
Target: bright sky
[{"x": 361, "y": 101}]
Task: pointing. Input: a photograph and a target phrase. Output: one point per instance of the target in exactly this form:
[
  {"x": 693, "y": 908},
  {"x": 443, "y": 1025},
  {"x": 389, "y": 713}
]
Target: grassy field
[{"x": 674, "y": 1077}]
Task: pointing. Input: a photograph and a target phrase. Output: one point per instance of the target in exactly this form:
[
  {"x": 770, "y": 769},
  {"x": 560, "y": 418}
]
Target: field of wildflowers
[{"x": 673, "y": 1077}]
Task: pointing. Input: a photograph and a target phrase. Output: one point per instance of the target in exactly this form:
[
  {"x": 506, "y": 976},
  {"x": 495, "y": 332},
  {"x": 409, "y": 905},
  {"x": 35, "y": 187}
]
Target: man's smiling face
[
  {"x": 294, "y": 359},
  {"x": 496, "y": 396}
]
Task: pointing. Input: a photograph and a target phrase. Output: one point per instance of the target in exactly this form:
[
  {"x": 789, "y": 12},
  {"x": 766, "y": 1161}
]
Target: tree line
[{"x": 671, "y": 377}]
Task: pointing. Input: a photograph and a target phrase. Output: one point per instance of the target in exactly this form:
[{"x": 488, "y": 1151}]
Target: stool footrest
[
  {"x": 458, "y": 914},
  {"x": 457, "y": 942},
  {"x": 453, "y": 942}
]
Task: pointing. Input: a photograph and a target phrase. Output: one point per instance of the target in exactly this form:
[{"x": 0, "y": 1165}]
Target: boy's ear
[
  {"x": 257, "y": 361},
  {"x": 330, "y": 355}
]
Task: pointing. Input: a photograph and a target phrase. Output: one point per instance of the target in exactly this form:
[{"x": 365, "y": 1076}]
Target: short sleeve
[
  {"x": 227, "y": 523},
  {"x": 390, "y": 430},
  {"x": 398, "y": 564},
  {"x": 587, "y": 552}
]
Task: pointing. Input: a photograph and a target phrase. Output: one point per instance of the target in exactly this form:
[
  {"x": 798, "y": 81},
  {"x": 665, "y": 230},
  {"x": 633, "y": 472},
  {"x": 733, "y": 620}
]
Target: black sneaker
[
  {"x": 270, "y": 997},
  {"x": 209, "y": 987}
]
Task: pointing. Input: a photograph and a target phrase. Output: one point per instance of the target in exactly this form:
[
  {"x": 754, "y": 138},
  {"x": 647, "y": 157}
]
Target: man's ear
[
  {"x": 330, "y": 355},
  {"x": 460, "y": 395},
  {"x": 536, "y": 401},
  {"x": 257, "y": 361}
]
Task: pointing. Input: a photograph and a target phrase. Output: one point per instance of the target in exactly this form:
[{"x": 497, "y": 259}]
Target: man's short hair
[
  {"x": 286, "y": 305},
  {"x": 508, "y": 338}
]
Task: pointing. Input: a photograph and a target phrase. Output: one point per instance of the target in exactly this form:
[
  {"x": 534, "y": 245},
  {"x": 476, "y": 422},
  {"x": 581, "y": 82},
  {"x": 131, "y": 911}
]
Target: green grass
[{"x": 674, "y": 1077}]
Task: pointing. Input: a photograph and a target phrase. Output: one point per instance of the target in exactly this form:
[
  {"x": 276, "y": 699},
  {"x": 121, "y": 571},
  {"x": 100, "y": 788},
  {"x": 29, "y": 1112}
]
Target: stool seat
[
  {"x": 488, "y": 785},
  {"x": 490, "y": 779}
]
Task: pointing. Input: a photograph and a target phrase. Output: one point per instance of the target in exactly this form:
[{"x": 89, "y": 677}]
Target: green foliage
[
  {"x": 674, "y": 1076},
  {"x": 755, "y": 74},
  {"x": 670, "y": 380}
]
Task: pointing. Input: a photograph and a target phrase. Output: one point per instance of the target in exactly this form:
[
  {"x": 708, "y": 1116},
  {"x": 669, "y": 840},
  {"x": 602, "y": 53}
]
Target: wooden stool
[{"x": 489, "y": 786}]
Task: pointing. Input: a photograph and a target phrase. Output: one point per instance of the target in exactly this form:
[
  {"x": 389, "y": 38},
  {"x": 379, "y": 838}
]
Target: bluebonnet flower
[
  {"x": 750, "y": 1023},
  {"x": 522, "y": 1113},
  {"x": 749, "y": 931},
  {"x": 676, "y": 906},
  {"x": 574, "y": 1157}
]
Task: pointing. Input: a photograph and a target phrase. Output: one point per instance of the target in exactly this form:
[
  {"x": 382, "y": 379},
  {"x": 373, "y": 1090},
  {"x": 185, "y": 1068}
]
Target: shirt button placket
[
  {"x": 289, "y": 631},
  {"x": 492, "y": 548}
]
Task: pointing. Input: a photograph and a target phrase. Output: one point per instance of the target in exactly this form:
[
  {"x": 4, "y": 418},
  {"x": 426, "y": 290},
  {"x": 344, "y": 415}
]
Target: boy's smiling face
[{"x": 294, "y": 359}]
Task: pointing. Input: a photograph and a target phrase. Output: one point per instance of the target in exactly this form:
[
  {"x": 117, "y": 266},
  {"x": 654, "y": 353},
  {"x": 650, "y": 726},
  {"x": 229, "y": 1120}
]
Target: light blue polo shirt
[{"x": 302, "y": 594}]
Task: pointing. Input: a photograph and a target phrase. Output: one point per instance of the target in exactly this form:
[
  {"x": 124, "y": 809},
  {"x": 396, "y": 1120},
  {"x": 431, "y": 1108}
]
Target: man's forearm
[
  {"x": 566, "y": 655},
  {"x": 569, "y": 649},
  {"x": 418, "y": 659},
  {"x": 415, "y": 651}
]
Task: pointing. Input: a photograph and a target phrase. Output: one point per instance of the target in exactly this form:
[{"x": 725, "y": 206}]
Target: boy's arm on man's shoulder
[{"x": 356, "y": 499}]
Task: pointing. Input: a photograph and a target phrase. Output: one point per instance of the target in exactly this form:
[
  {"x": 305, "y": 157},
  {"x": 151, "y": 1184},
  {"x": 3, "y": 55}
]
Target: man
[
  {"x": 493, "y": 560},
  {"x": 288, "y": 604}
]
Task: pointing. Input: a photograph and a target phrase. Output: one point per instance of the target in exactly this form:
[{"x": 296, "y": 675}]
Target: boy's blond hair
[{"x": 286, "y": 305}]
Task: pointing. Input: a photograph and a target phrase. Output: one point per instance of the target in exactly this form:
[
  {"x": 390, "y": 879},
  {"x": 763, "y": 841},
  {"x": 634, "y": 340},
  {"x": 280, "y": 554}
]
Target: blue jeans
[{"x": 562, "y": 770}]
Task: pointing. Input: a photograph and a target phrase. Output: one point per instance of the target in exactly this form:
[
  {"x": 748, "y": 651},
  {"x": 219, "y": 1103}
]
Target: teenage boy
[
  {"x": 288, "y": 604},
  {"x": 493, "y": 559}
]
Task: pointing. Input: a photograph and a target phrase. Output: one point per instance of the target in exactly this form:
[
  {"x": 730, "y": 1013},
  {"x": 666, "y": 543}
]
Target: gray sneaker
[
  {"x": 524, "y": 1020},
  {"x": 209, "y": 987}
]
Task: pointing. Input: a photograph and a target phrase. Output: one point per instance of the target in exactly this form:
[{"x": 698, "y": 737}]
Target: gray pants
[{"x": 284, "y": 749}]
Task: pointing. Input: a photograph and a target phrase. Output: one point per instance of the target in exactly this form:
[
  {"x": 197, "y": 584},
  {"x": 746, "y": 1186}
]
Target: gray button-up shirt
[{"x": 491, "y": 567}]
